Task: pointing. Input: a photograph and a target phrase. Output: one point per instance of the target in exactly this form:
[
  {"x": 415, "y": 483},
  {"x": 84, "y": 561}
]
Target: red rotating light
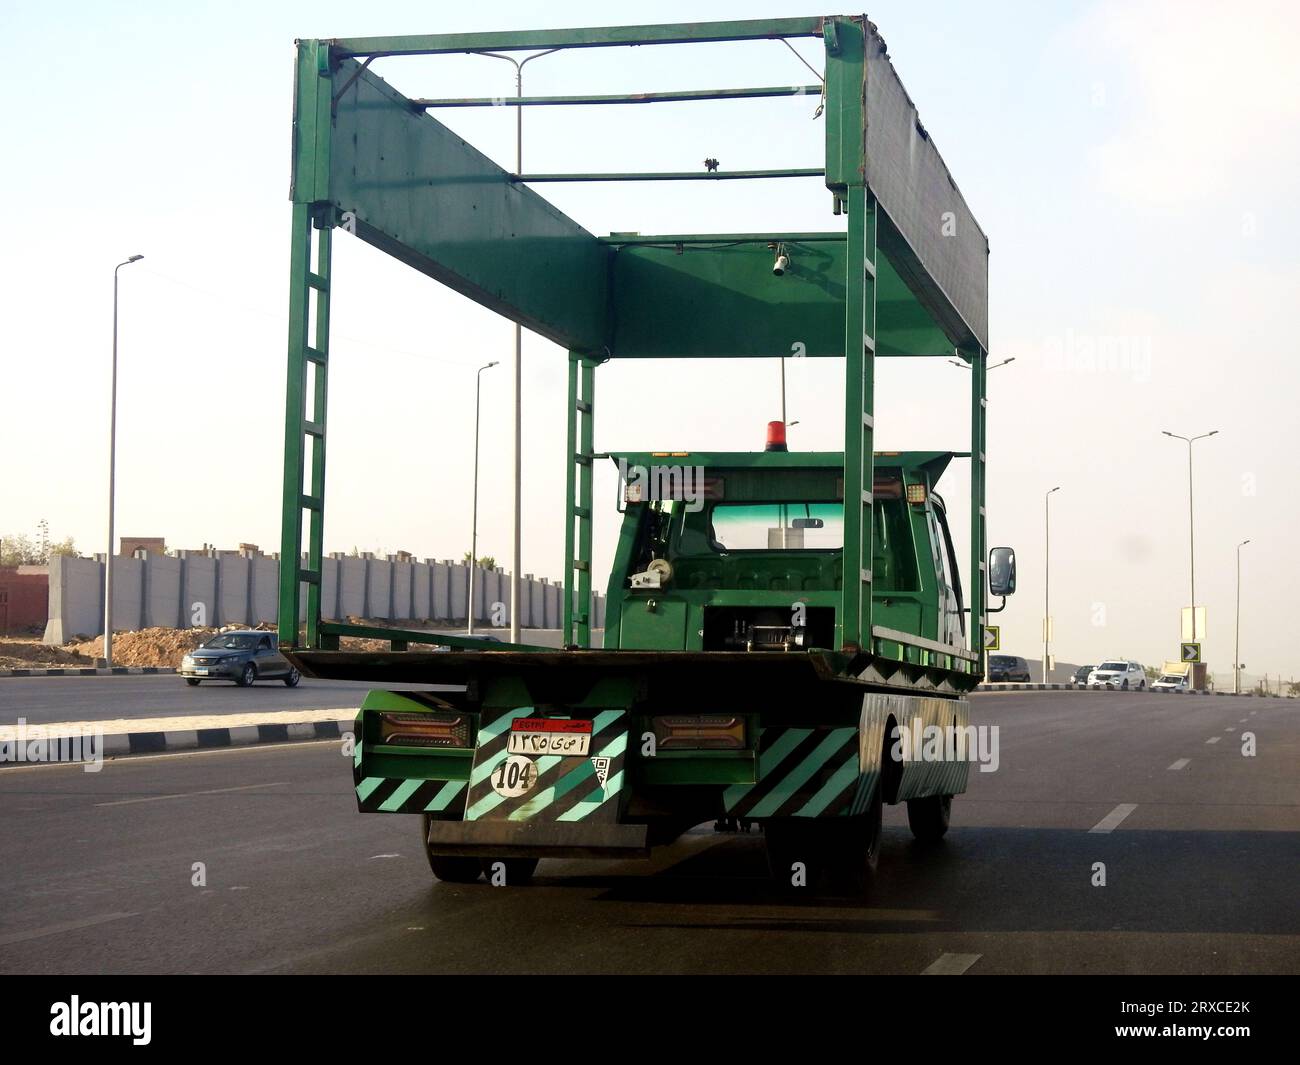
[{"x": 776, "y": 437}]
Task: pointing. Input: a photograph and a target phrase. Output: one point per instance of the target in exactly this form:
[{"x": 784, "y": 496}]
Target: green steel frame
[{"x": 365, "y": 157}]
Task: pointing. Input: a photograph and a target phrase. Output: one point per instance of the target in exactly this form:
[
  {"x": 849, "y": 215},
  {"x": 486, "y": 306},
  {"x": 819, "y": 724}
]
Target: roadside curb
[
  {"x": 87, "y": 671},
  {"x": 1131, "y": 691},
  {"x": 119, "y": 744}
]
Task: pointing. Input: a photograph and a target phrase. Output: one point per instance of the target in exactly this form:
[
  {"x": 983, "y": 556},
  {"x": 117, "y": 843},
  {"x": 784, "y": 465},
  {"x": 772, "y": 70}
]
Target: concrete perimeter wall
[{"x": 197, "y": 589}]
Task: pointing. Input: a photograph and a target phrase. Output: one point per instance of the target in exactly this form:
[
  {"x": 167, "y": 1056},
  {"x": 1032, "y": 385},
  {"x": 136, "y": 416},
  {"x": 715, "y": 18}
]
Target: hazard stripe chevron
[
  {"x": 393, "y": 795},
  {"x": 566, "y": 788},
  {"x": 802, "y": 772}
]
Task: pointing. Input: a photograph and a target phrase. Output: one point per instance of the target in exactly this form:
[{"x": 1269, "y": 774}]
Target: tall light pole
[
  {"x": 112, "y": 479},
  {"x": 1191, "y": 516},
  {"x": 517, "y": 548},
  {"x": 1236, "y": 651},
  {"x": 1047, "y": 576},
  {"x": 473, "y": 536}
]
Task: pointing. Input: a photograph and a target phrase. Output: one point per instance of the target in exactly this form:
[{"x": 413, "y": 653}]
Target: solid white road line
[
  {"x": 950, "y": 964},
  {"x": 1182, "y": 763},
  {"x": 191, "y": 794},
  {"x": 1214, "y": 739},
  {"x": 1111, "y": 821},
  {"x": 66, "y": 926},
  {"x": 139, "y": 759}
]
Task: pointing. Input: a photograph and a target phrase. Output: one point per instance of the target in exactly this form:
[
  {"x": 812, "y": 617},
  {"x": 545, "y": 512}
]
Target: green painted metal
[
  {"x": 414, "y": 189},
  {"x": 402, "y": 637},
  {"x": 368, "y": 159},
  {"x": 978, "y": 494},
  {"x": 305, "y": 411},
  {"x": 579, "y": 480},
  {"x": 688, "y": 96},
  {"x": 716, "y": 296},
  {"x": 602, "y": 37},
  {"x": 907, "y": 593}
]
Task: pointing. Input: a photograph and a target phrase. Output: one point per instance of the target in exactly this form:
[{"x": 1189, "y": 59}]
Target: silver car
[{"x": 241, "y": 655}]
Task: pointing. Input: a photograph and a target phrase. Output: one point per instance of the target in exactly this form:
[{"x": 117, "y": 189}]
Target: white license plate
[
  {"x": 565, "y": 744},
  {"x": 203, "y": 672}
]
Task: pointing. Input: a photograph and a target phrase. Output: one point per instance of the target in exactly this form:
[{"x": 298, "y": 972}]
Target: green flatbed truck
[{"x": 773, "y": 619}]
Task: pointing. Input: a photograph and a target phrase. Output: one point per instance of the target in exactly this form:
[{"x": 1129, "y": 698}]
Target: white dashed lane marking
[
  {"x": 55, "y": 929},
  {"x": 1214, "y": 739},
  {"x": 950, "y": 964},
  {"x": 1112, "y": 820},
  {"x": 191, "y": 794},
  {"x": 1182, "y": 763}
]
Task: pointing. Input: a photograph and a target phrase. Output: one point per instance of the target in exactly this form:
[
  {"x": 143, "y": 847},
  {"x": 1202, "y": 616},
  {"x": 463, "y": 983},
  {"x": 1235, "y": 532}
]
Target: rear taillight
[
  {"x": 424, "y": 730},
  {"x": 700, "y": 732}
]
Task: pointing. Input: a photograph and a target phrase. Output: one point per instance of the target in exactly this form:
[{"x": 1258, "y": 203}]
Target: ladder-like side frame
[{"x": 844, "y": 96}]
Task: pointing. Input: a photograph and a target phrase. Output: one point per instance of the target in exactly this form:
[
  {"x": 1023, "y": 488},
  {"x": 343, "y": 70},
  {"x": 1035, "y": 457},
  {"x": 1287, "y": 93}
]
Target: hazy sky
[{"x": 1134, "y": 165}]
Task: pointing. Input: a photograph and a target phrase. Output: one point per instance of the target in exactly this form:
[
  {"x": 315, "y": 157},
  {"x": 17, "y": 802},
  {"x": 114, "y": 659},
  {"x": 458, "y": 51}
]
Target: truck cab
[{"x": 745, "y": 552}]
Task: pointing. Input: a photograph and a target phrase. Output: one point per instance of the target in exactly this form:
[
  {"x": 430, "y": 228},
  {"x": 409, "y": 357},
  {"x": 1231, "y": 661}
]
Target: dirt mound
[
  {"x": 147, "y": 647},
  {"x": 29, "y": 653}
]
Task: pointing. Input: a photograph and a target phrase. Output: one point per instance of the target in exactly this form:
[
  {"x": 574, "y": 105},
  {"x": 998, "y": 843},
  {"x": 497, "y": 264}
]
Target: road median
[{"x": 22, "y": 743}]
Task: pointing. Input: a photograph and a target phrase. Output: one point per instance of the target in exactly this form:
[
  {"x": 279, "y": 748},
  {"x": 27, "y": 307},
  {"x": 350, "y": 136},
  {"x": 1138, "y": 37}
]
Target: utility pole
[
  {"x": 517, "y": 543},
  {"x": 1047, "y": 577},
  {"x": 473, "y": 536},
  {"x": 112, "y": 479},
  {"x": 1236, "y": 652},
  {"x": 1191, "y": 516}
]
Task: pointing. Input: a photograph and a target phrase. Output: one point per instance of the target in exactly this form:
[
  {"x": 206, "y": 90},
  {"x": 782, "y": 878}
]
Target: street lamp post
[
  {"x": 1047, "y": 576},
  {"x": 517, "y": 548},
  {"x": 1191, "y": 519},
  {"x": 1236, "y": 651},
  {"x": 473, "y": 536},
  {"x": 112, "y": 478}
]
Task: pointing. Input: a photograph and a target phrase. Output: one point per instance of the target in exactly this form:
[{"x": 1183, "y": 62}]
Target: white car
[
  {"x": 1171, "y": 682},
  {"x": 1118, "y": 674}
]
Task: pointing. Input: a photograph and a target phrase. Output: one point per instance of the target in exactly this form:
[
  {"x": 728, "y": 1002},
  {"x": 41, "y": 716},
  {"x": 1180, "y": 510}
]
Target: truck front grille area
[{"x": 745, "y": 628}]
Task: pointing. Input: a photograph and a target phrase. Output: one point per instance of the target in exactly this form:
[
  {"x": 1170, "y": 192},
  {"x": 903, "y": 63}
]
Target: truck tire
[
  {"x": 451, "y": 869},
  {"x": 791, "y": 841},
  {"x": 838, "y": 854},
  {"x": 519, "y": 871},
  {"x": 858, "y": 842},
  {"x": 928, "y": 817}
]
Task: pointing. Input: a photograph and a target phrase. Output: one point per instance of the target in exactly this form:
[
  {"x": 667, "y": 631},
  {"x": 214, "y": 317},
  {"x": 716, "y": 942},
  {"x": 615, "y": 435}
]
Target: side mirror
[{"x": 1002, "y": 571}]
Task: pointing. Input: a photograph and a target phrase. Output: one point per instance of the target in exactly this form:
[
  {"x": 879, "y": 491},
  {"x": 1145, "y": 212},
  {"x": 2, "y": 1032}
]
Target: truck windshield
[{"x": 778, "y": 526}]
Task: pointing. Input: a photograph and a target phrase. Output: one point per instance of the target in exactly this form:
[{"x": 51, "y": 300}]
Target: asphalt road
[
  {"x": 41, "y": 700},
  {"x": 97, "y": 870}
]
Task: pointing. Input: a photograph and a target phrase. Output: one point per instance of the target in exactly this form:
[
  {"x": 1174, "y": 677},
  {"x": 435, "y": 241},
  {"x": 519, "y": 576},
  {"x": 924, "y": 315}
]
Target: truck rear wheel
[
  {"x": 451, "y": 869},
  {"x": 928, "y": 817},
  {"x": 794, "y": 853},
  {"x": 826, "y": 854},
  {"x": 857, "y": 843}
]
